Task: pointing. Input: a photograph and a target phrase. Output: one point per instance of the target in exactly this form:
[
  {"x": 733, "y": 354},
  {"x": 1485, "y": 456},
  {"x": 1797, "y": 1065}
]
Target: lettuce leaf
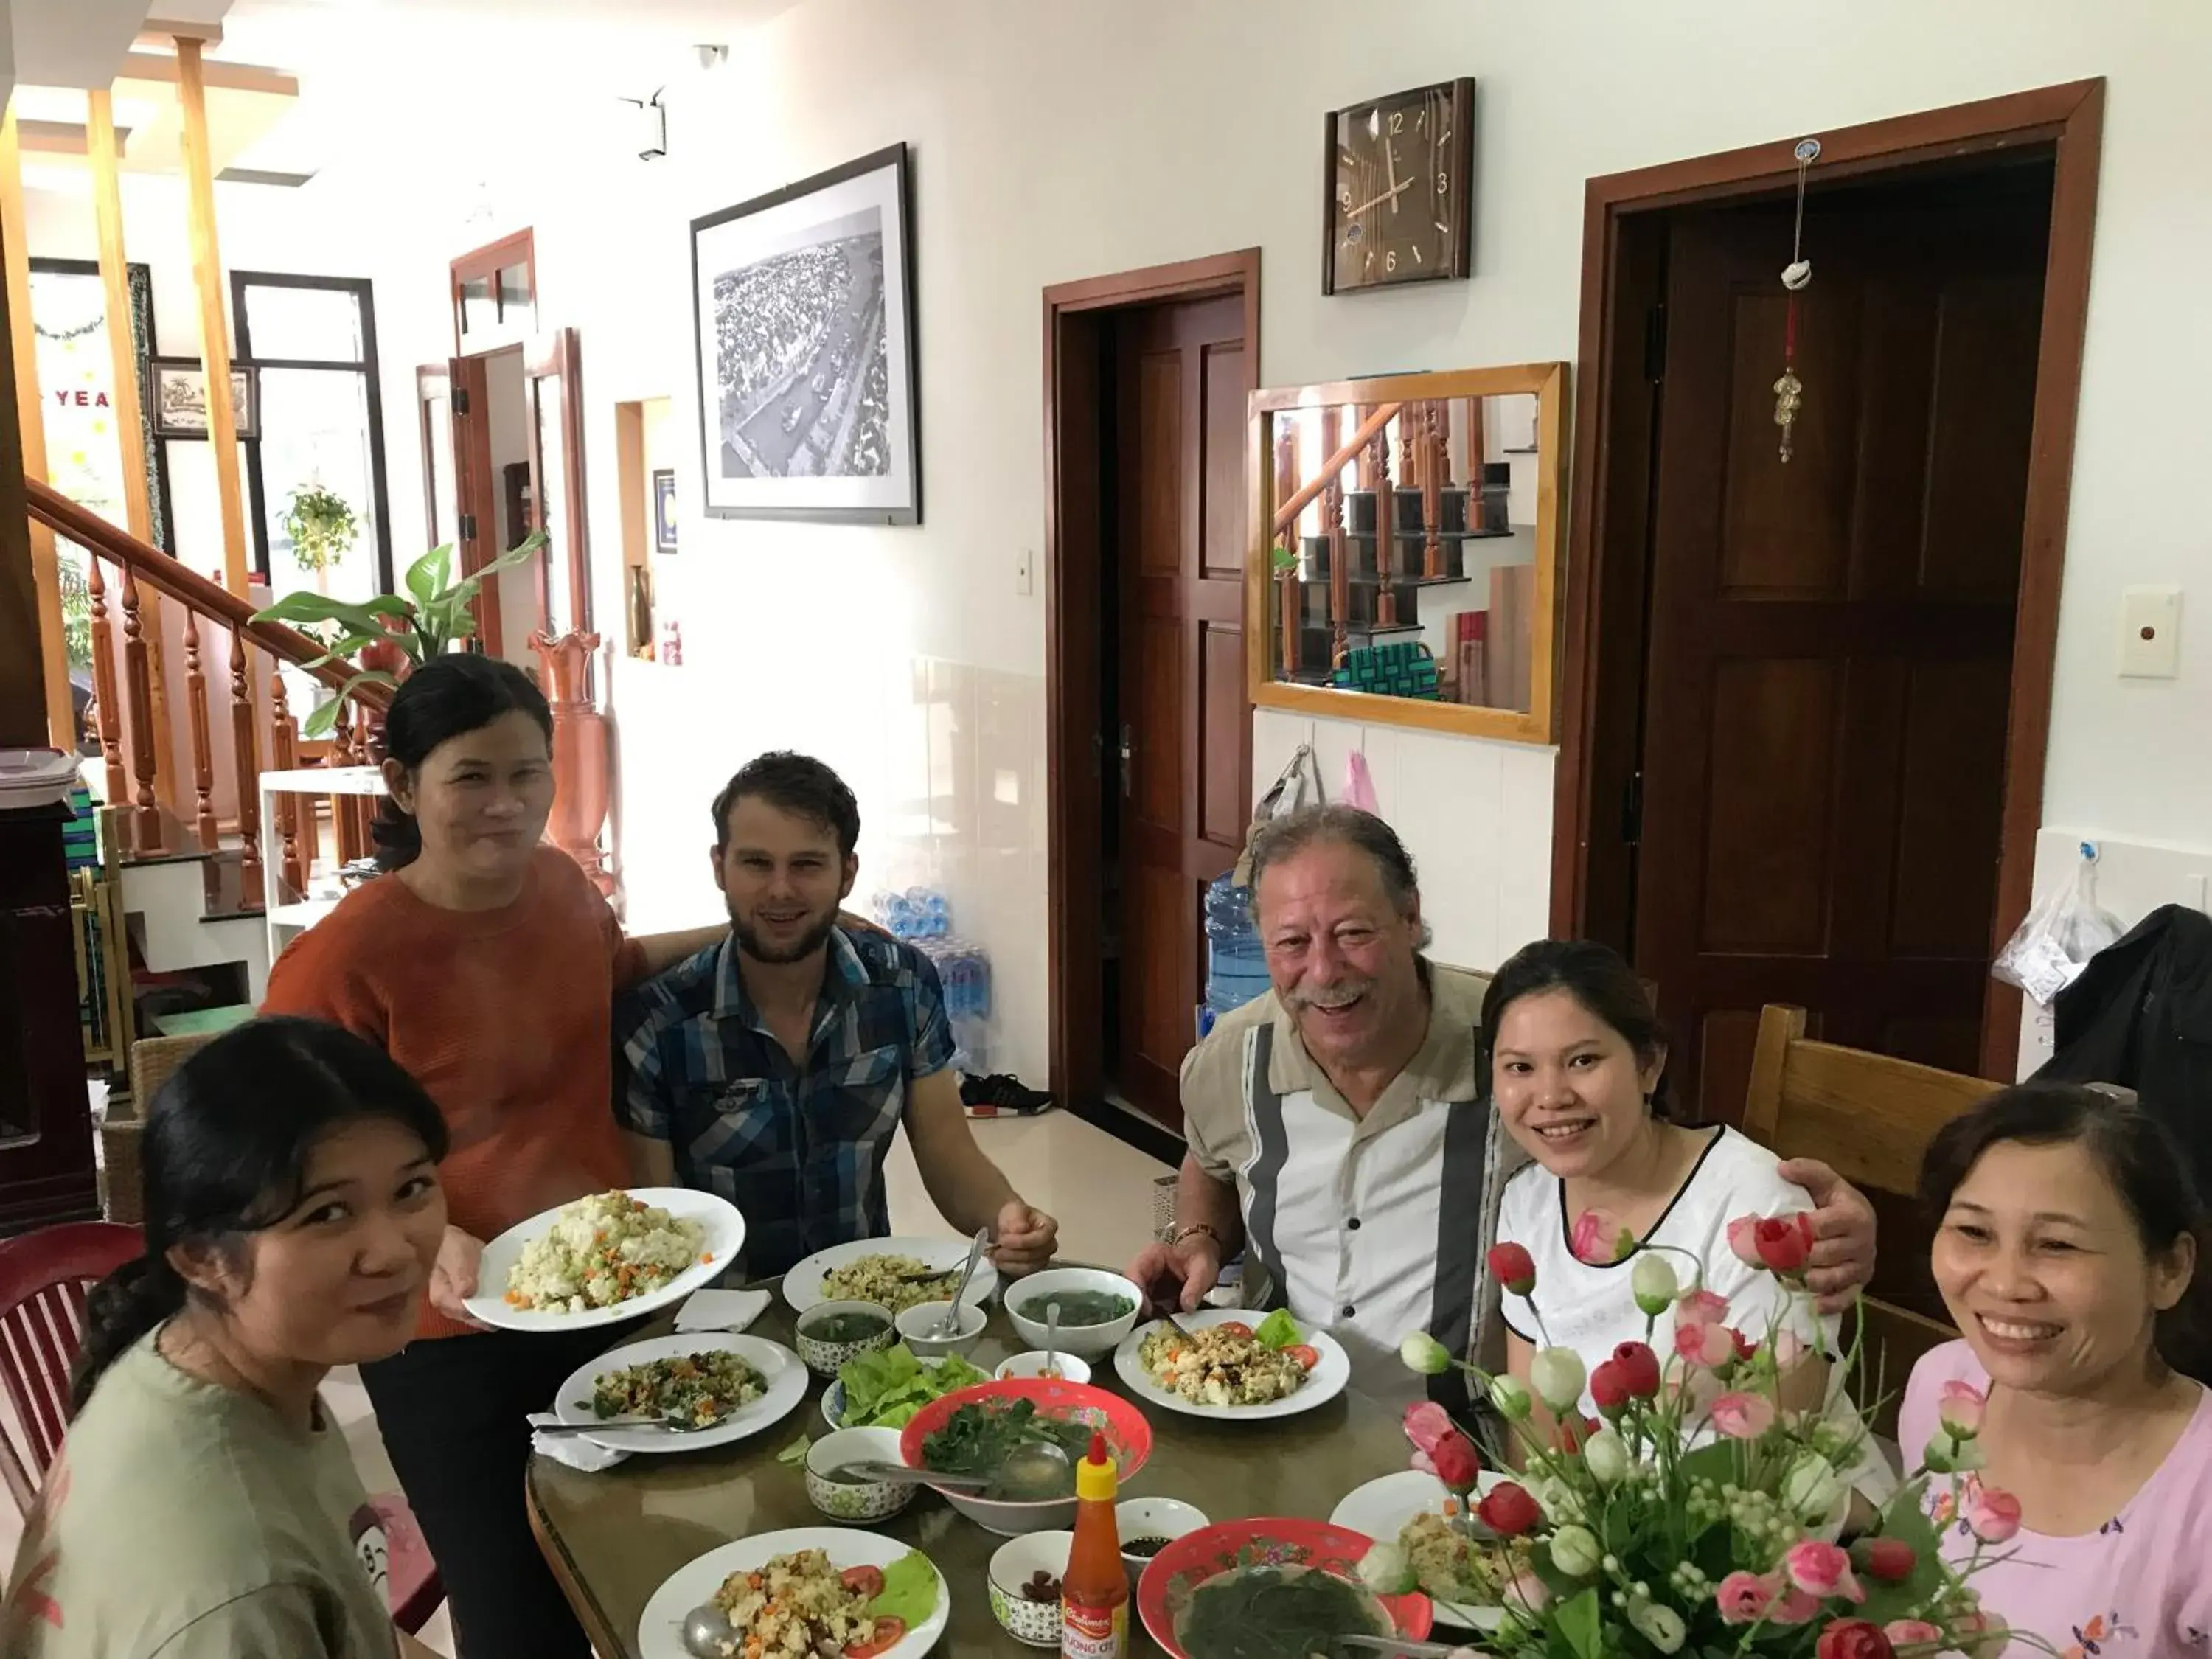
[
  {"x": 884, "y": 1389},
  {"x": 1278, "y": 1330},
  {"x": 910, "y": 1591}
]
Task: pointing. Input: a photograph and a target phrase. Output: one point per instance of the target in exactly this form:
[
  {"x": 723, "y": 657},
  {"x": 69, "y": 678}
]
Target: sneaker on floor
[{"x": 1001, "y": 1093}]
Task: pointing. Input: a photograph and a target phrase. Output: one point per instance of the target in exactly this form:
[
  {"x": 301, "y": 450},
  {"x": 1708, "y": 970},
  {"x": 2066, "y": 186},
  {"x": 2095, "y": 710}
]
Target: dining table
[{"x": 612, "y": 1537}]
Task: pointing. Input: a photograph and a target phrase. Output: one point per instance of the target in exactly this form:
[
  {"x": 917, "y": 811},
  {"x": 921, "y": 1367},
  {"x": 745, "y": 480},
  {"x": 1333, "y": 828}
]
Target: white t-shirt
[{"x": 1591, "y": 1309}]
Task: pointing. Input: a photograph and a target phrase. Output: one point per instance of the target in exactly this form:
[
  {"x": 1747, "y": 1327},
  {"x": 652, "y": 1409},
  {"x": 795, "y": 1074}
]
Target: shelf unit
[{"x": 289, "y": 920}]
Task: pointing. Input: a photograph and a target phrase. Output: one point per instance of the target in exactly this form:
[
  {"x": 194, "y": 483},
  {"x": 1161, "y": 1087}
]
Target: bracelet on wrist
[{"x": 1197, "y": 1228}]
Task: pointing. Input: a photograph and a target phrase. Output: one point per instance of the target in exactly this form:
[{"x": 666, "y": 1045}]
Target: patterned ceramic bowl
[
  {"x": 1036, "y": 1624},
  {"x": 824, "y": 1356},
  {"x": 875, "y": 1500}
]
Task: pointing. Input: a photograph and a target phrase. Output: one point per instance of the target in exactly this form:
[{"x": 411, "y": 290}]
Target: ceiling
[{"x": 74, "y": 43}]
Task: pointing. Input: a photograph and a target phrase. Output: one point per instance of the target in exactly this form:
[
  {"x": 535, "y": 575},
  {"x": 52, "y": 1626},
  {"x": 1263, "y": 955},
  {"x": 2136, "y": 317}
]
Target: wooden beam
[
  {"x": 215, "y": 318},
  {"x": 129, "y": 423},
  {"x": 224, "y": 77},
  {"x": 160, "y": 30},
  {"x": 30, "y": 416}
]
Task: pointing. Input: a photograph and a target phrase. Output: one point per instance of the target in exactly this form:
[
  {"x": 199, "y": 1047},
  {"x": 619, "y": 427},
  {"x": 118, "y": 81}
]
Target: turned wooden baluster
[
  {"x": 138, "y": 721},
  {"x": 197, "y": 713},
  {"x": 1386, "y": 529},
  {"x": 247, "y": 757},
  {"x": 368, "y": 750},
  {"x": 1361, "y": 413},
  {"x": 1290, "y": 605},
  {"x": 104, "y": 708},
  {"x": 1434, "y": 461},
  {"x": 1340, "y": 545},
  {"x": 283, "y": 755},
  {"x": 343, "y": 828}
]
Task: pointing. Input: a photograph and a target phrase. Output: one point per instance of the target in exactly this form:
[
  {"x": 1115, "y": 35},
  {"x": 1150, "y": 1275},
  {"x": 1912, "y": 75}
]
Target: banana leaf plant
[{"x": 429, "y": 619}]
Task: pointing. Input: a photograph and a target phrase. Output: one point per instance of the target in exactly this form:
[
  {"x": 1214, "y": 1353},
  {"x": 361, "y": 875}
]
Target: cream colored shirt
[
  {"x": 1371, "y": 1227},
  {"x": 184, "y": 1520}
]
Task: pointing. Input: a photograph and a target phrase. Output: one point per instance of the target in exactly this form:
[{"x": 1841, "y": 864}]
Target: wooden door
[
  {"x": 1830, "y": 639},
  {"x": 455, "y": 425},
  {"x": 1181, "y": 377},
  {"x": 553, "y": 404}
]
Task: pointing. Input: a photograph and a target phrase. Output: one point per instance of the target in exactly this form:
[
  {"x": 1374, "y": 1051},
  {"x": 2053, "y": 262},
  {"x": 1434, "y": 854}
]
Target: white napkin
[
  {"x": 574, "y": 1450},
  {"x": 721, "y": 1310}
]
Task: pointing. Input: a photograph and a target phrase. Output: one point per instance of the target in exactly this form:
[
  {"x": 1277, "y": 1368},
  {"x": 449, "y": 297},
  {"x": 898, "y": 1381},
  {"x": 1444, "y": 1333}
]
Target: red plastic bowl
[
  {"x": 1177, "y": 1570},
  {"x": 1128, "y": 1438}
]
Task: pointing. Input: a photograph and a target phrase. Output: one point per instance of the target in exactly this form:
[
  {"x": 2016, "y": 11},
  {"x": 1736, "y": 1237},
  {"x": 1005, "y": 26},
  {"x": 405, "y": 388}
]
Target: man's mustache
[{"x": 1339, "y": 994}]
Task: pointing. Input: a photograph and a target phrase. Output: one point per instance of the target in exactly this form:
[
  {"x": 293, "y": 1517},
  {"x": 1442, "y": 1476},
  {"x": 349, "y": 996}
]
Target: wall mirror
[{"x": 1407, "y": 547}]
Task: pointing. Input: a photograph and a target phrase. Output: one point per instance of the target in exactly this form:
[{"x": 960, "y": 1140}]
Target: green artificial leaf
[
  {"x": 345, "y": 645},
  {"x": 320, "y": 607},
  {"x": 522, "y": 553},
  {"x": 1905, "y": 1520},
  {"x": 320, "y": 720},
  {"x": 1577, "y": 1620},
  {"x": 428, "y": 577}
]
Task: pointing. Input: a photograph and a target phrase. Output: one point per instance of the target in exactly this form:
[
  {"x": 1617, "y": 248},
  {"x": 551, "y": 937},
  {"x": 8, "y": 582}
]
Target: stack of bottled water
[
  {"x": 920, "y": 916},
  {"x": 1236, "y": 961},
  {"x": 918, "y": 913}
]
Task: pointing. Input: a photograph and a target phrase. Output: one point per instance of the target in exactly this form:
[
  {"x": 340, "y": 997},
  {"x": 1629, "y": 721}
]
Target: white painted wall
[{"x": 1056, "y": 139}]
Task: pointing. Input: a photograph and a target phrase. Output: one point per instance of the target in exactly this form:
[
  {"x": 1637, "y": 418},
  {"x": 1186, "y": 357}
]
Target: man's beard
[{"x": 805, "y": 945}]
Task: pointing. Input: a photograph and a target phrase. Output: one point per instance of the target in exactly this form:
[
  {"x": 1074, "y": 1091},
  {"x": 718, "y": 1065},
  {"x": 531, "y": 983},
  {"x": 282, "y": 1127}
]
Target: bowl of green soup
[
  {"x": 1097, "y": 1308},
  {"x": 831, "y": 1333}
]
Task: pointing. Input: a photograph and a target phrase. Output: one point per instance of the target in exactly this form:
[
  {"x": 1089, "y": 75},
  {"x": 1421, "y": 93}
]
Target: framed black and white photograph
[
  {"x": 664, "y": 510},
  {"x": 180, "y": 402},
  {"x": 803, "y": 302}
]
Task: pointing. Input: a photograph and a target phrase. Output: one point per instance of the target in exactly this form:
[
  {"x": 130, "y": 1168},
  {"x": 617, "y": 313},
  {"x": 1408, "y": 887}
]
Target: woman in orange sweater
[{"x": 486, "y": 964}]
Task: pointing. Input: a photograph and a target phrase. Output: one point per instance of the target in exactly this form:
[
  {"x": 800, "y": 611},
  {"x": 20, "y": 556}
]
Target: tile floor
[{"x": 1099, "y": 1189}]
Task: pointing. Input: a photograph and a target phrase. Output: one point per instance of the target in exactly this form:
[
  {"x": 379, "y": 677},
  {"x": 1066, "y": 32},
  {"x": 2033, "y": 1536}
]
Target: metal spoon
[
  {"x": 1034, "y": 1472},
  {"x": 950, "y": 1324},
  {"x": 1400, "y": 1644},
  {"x": 708, "y": 1633},
  {"x": 1051, "y": 1336},
  {"x": 604, "y": 1423}
]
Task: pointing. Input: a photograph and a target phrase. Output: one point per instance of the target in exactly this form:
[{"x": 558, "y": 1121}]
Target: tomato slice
[
  {"x": 1235, "y": 1328},
  {"x": 1303, "y": 1357},
  {"x": 890, "y": 1632},
  {"x": 866, "y": 1582}
]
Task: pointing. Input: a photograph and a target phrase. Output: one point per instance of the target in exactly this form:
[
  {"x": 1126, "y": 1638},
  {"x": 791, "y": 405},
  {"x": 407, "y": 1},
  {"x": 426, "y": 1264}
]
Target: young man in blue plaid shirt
[{"x": 775, "y": 1068}]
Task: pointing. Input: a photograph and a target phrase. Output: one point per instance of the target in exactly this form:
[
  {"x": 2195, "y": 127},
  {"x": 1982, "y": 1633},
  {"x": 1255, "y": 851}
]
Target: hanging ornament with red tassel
[{"x": 1796, "y": 276}]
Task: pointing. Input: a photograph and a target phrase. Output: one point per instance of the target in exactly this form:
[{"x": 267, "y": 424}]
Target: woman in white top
[{"x": 1578, "y": 1071}]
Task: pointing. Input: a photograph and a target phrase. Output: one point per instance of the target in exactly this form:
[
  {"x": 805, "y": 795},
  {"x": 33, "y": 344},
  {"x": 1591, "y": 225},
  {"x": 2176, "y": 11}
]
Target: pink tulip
[
  {"x": 1744, "y": 1597},
  {"x": 1993, "y": 1515},
  {"x": 1822, "y": 1570},
  {"x": 1527, "y": 1591},
  {"x": 1743, "y": 1239},
  {"x": 1796, "y": 1607},
  {"x": 1595, "y": 1238},
  {"x": 1902, "y": 1631},
  {"x": 1701, "y": 1308},
  {"x": 1743, "y": 1416},
  {"x": 1710, "y": 1345},
  {"x": 1960, "y": 1407}
]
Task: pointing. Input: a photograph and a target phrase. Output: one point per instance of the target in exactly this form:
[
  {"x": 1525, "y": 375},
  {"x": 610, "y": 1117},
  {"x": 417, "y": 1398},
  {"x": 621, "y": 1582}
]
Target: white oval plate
[
  {"x": 660, "y": 1630},
  {"x": 1382, "y": 1508},
  {"x": 802, "y": 1286},
  {"x": 780, "y": 1371},
  {"x": 725, "y": 1236},
  {"x": 1322, "y": 1384}
]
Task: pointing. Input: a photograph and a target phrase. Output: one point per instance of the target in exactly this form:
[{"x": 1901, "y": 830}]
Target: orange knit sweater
[{"x": 505, "y": 1018}]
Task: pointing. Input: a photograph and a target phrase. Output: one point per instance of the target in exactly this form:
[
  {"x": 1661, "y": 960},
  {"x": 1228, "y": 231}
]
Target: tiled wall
[{"x": 1476, "y": 815}]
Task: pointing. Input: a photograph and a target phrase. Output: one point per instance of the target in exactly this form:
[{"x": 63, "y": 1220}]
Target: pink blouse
[{"x": 2136, "y": 1588}]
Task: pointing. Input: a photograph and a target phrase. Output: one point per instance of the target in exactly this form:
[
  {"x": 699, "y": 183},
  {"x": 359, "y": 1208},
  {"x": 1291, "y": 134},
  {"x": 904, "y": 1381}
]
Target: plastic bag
[
  {"x": 1358, "y": 782},
  {"x": 1287, "y": 794},
  {"x": 2060, "y": 935}
]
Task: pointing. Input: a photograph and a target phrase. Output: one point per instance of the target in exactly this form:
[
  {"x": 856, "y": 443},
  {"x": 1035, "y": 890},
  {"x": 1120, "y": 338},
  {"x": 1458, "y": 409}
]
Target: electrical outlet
[
  {"x": 2150, "y": 633},
  {"x": 1024, "y": 561}
]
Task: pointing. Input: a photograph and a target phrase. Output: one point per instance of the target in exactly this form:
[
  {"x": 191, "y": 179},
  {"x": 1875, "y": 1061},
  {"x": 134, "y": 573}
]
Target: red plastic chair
[{"x": 43, "y": 1276}]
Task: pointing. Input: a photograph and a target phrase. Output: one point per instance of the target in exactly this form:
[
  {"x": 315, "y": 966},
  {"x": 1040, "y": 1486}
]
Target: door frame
[
  {"x": 1614, "y": 435},
  {"x": 1075, "y": 370}
]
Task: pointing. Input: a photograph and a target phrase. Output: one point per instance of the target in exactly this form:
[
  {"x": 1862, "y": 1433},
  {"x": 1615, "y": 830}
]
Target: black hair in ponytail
[
  {"x": 447, "y": 697},
  {"x": 225, "y": 1154}
]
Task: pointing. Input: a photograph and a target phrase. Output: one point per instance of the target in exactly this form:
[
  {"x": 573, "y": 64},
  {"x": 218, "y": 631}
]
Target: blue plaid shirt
[{"x": 798, "y": 1149}]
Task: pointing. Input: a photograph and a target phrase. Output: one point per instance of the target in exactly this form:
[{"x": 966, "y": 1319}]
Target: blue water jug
[{"x": 1236, "y": 964}]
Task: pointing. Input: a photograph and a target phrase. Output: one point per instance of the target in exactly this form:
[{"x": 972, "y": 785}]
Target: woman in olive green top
[{"x": 203, "y": 1505}]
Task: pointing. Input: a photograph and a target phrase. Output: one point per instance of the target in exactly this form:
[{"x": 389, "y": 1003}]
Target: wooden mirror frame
[{"x": 1548, "y": 382}]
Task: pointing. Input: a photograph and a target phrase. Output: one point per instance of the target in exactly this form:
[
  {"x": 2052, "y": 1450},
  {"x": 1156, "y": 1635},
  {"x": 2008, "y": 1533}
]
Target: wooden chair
[{"x": 1869, "y": 1117}]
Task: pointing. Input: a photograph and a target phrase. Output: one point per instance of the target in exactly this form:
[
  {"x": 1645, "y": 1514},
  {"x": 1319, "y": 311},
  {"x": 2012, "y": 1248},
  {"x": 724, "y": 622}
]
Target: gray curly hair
[{"x": 1283, "y": 838}]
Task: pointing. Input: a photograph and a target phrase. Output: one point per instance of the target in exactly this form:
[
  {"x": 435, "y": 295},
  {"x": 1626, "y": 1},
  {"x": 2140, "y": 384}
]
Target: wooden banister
[
  {"x": 105, "y": 716},
  {"x": 1288, "y": 513}
]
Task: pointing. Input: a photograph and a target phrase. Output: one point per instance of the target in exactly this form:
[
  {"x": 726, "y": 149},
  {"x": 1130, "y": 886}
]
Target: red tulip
[
  {"x": 1886, "y": 1560},
  {"x": 1853, "y": 1638},
  {"x": 1573, "y": 1430},
  {"x": 1608, "y": 1387},
  {"x": 1457, "y": 1463},
  {"x": 1639, "y": 1367},
  {"x": 1511, "y": 1266},
  {"x": 1508, "y": 1511},
  {"x": 1784, "y": 1242}
]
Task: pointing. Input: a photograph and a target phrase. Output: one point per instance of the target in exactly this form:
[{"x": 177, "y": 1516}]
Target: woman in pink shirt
[{"x": 2069, "y": 1256}]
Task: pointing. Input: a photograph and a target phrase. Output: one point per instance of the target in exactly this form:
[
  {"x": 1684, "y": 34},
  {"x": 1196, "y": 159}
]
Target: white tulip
[{"x": 1557, "y": 1376}]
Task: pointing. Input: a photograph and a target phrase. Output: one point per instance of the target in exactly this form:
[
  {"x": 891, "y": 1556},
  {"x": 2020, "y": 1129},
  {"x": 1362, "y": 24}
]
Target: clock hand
[
  {"x": 1390, "y": 165},
  {"x": 1387, "y": 196}
]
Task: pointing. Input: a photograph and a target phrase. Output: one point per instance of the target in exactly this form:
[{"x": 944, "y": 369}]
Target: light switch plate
[
  {"x": 2150, "y": 633},
  {"x": 1024, "y": 577}
]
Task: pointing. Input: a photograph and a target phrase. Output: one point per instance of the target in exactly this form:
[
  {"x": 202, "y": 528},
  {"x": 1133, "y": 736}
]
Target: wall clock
[{"x": 1399, "y": 173}]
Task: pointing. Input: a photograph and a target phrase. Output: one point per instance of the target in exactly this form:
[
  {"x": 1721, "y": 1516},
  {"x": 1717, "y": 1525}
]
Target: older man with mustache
[{"x": 1341, "y": 1129}]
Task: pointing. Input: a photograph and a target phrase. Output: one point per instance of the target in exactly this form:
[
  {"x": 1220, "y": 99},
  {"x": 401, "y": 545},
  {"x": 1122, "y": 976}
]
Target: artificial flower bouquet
[{"x": 1699, "y": 1517}]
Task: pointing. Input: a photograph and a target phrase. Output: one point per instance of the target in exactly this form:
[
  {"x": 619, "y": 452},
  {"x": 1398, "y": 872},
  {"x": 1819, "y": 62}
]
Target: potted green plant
[
  {"x": 322, "y": 527},
  {"x": 394, "y": 633}
]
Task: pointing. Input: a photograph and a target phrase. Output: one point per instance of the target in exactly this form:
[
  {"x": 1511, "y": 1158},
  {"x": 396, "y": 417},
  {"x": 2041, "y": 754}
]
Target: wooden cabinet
[{"x": 46, "y": 1166}]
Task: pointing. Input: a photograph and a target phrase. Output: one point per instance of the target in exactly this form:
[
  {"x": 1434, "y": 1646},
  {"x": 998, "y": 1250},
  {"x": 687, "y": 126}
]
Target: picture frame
[
  {"x": 664, "y": 510},
  {"x": 803, "y": 307},
  {"x": 178, "y": 397}
]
